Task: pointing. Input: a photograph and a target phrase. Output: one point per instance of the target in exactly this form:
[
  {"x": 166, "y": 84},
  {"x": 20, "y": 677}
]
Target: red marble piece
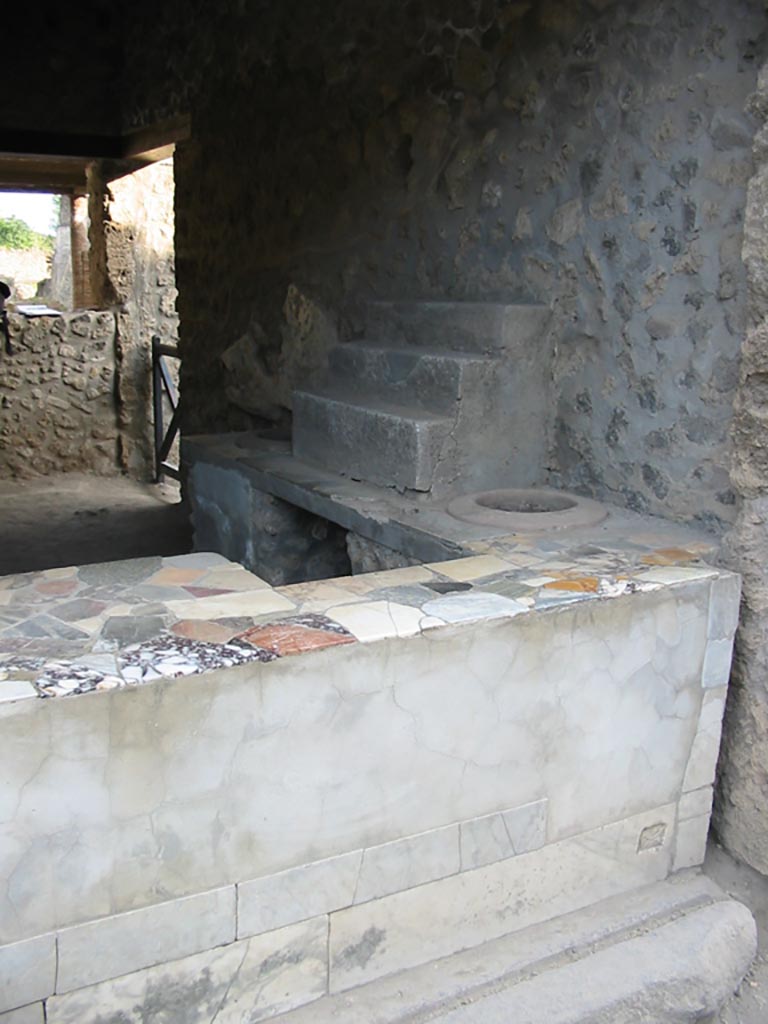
[
  {"x": 56, "y": 588},
  {"x": 292, "y": 638}
]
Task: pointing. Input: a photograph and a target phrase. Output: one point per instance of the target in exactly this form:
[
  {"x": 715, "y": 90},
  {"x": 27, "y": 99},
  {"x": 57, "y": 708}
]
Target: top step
[{"x": 481, "y": 327}]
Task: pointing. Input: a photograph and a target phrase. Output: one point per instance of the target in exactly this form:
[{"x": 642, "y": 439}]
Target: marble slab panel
[
  {"x": 702, "y": 762},
  {"x": 308, "y": 890},
  {"x": 695, "y": 803},
  {"x": 496, "y": 836},
  {"x": 691, "y": 842},
  {"x": 124, "y": 943},
  {"x": 251, "y": 980},
  {"x": 33, "y": 1014},
  {"x": 27, "y": 971},
  {"x": 717, "y": 662},
  {"x": 464, "y": 910},
  {"x": 724, "y": 606},
  {"x": 407, "y": 862}
]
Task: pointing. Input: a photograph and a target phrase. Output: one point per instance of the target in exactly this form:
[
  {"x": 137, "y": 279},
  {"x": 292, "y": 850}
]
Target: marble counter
[{"x": 241, "y": 797}]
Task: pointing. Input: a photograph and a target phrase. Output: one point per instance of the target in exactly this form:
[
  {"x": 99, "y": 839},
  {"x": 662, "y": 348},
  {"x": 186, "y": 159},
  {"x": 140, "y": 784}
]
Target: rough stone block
[
  {"x": 27, "y": 971},
  {"x": 432, "y": 378},
  {"x": 125, "y": 943},
  {"x": 367, "y": 439},
  {"x": 464, "y": 910},
  {"x": 251, "y": 980}
]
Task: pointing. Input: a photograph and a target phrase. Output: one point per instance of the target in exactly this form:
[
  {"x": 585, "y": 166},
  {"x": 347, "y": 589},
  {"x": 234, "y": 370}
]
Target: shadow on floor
[{"x": 75, "y": 519}]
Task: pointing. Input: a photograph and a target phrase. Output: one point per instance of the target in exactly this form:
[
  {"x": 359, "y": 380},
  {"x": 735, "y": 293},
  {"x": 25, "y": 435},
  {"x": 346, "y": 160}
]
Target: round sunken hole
[{"x": 525, "y": 501}]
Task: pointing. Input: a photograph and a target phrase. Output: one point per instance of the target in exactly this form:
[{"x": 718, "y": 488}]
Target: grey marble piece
[
  {"x": 125, "y": 573},
  {"x": 132, "y": 629}
]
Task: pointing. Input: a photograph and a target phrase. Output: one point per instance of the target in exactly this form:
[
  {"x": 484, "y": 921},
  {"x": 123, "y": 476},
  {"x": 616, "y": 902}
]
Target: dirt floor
[
  {"x": 750, "y": 1004},
  {"x": 75, "y": 519}
]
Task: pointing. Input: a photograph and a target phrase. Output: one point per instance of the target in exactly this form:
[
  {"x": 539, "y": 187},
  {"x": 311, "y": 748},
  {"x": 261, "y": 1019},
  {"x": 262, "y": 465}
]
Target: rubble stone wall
[
  {"x": 740, "y": 816},
  {"x": 57, "y": 396},
  {"x": 592, "y": 155}
]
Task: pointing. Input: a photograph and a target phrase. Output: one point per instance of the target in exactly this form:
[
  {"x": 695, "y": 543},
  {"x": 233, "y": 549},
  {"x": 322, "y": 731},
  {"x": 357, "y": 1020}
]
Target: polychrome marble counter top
[{"x": 75, "y": 630}]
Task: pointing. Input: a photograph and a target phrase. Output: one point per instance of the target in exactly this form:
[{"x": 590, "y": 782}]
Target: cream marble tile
[
  {"x": 463, "y": 569},
  {"x": 231, "y": 578},
  {"x": 538, "y": 581},
  {"x": 375, "y": 620},
  {"x": 437, "y": 919},
  {"x": 317, "y": 597},
  {"x": 27, "y": 971},
  {"x": 676, "y": 574},
  {"x": 308, "y": 890},
  {"x": 251, "y": 980},
  {"x": 247, "y": 603},
  {"x": 113, "y": 946}
]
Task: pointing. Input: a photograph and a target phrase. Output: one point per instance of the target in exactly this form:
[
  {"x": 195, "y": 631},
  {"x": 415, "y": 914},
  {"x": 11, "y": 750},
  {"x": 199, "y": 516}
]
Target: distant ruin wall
[{"x": 57, "y": 396}]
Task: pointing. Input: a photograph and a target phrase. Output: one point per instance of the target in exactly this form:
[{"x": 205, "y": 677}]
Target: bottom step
[{"x": 671, "y": 952}]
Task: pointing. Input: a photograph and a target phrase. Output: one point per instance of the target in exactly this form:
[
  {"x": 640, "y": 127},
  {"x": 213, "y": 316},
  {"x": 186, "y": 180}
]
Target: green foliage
[{"x": 16, "y": 234}]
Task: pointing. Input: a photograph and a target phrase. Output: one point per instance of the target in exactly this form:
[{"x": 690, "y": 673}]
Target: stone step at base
[
  {"x": 671, "y": 952},
  {"x": 483, "y": 327},
  {"x": 431, "y": 378},
  {"x": 369, "y": 439}
]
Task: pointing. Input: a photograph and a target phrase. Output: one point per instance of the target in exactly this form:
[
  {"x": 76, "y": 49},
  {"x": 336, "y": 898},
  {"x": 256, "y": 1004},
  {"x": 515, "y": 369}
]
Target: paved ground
[
  {"x": 75, "y": 519},
  {"x": 750, "y": 1004}
]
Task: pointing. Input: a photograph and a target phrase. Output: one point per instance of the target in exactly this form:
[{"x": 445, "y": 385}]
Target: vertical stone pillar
[{"x": 82, "y": 295}]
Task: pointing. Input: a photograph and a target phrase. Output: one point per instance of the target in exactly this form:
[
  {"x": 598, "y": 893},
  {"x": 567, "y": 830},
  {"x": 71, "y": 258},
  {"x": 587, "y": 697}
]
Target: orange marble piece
[
  {"x": 171, "y": 576},
  {"x": 293, "y": 639},
  {"x": 577, "y": 584},
  {"x": 669, "y": 556},
  {"x": 201, "y": 629}
]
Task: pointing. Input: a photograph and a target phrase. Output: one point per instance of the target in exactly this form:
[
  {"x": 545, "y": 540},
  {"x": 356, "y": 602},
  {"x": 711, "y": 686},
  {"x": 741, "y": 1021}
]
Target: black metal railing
[{"x": 164, "y": 392}]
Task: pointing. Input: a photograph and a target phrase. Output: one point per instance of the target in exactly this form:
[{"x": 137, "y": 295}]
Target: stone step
[
  {"x": 488, "y": 327},
  {"x": 361, "y": 436},
  {"x": 431, "y": 378},
  {"x": 669, "y": 952}
]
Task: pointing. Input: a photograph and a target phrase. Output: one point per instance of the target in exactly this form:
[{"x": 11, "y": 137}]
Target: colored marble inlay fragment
[{"x": 297, "y": 634}]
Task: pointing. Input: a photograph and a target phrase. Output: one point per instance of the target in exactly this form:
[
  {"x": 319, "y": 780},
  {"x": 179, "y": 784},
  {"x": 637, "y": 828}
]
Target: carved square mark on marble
[{"x": 297, "y": 634}]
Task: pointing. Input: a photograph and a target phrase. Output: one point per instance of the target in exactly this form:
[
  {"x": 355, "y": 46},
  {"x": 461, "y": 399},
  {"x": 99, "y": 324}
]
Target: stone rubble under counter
[{"x": 97, "y": 627}]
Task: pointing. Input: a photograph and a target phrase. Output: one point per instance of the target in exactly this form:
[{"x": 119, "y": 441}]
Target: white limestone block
[
  {"x": 691, "y": 842},
  {"x": 251, "y": 980},
  {"x": 123, "y": 943},
  {"x": 27, "y": 971},
  {"x": 464, "y": 910}
]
